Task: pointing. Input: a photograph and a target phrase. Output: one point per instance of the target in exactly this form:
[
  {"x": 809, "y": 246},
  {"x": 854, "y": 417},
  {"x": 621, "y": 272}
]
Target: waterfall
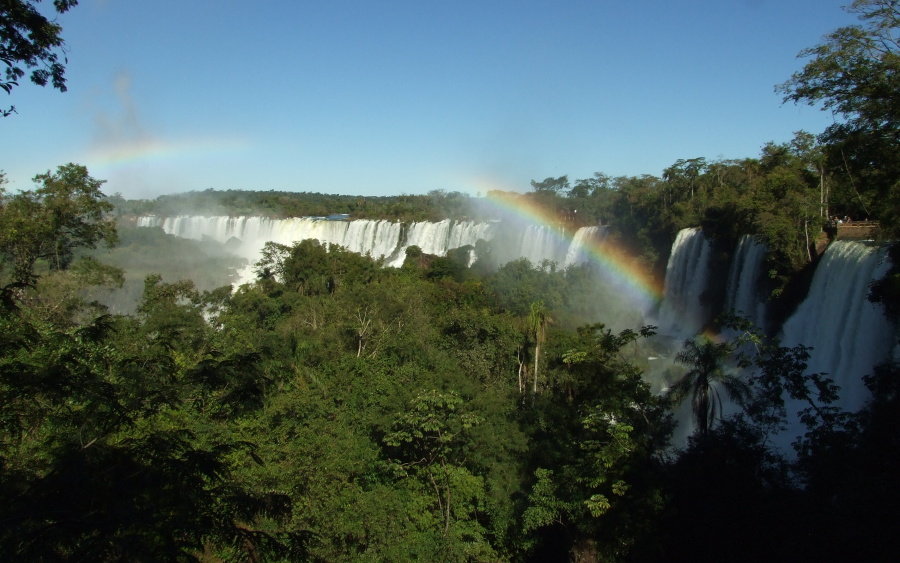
[
  {"x": 440, "y": 237},
  {"x": 375, "y": 238},
  {"x": 512, "y": 240},
  {"x": 744, "y": 278},
  {"x": 540, "y": 243},
  {"x": 579, "y": 250},
  {"x": 682, "y": 312},
  {"x": 848, "y": 334},
  {"x": 385, "y": 239},
  {"x": 378, "y": 239}
]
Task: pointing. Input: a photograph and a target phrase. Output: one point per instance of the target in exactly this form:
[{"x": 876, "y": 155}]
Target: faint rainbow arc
[
  {"x": 613, "y": 261},
  {"x": 155, "y": 150}
]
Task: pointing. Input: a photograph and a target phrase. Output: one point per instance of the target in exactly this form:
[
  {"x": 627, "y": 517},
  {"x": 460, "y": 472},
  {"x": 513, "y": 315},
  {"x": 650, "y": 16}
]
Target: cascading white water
[
  {"x": 513, "y": 240},
  {"x": 848, "y": 334},
  {"x": 742, "y": 294},
  {"x": 682, "y": 313},
  {"x": 540, "y": 243},
  {"x": 440, "y": 237},
  {"x": 376, "y": 238},
  {"x": 579, "y": 250}
]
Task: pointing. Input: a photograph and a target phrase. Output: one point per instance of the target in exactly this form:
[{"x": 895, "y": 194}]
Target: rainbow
[
  {"x": 618, "y": 266},
  {"x": 150, "y": 150}
]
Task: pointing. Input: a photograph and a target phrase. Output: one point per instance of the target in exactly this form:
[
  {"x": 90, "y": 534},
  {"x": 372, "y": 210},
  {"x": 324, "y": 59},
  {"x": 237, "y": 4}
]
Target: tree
[
  {"x": 702, "y": 380},
  {"x": 591, "y": 186},
  {"x": 855, "y": 73},
  {"x": 788, "y": 200},
  {"x": 106, "y": 452},
  {"x": 28, "y": 40},
  {"x": 429, "y": 441},
  {"x": 538, "y": 317},
  {"x": 597, "y": 431},
  {"x": 886, "y": 291},
  {"x": 682, "y": 176},
  {"x": 518, "y": 284},
  {"x": 812, "y": 154},
  {"x": 639, "y": 216},
  {"x": 552, "y": 185},
  {"x": 729, "y": 493},
  {"x": 66, "y": 212}
]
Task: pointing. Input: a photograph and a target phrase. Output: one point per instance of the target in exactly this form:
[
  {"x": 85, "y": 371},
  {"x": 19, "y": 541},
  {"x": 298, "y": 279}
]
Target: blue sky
[{"x": 383, "y": 98}]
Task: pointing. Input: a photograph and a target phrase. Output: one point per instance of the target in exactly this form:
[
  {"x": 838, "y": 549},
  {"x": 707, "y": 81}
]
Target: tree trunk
[
  {"x": 522, "y": 369},
  {"x": 806, "y": 232}
]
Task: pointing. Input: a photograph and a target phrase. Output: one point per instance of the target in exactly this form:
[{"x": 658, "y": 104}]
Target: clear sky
[{"x": 390, "y": 97}]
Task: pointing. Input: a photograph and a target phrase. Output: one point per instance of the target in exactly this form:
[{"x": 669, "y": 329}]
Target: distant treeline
[{"x": 435, "y": 205}]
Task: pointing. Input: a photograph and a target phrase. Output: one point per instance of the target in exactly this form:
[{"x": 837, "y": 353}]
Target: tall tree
[
  {"x": 813, "y": 155},
  {"x": 682, "y": 176},
  {"x": 855, "y": 73},
  {"x": 538, "y": 317}
]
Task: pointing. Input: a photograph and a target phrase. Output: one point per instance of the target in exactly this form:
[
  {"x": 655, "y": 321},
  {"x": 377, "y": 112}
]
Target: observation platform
[{"x": 857, "y": 230}]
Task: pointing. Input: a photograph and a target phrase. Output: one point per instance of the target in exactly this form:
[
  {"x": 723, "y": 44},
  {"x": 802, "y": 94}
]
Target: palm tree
[{"x": 703, "y": 380}]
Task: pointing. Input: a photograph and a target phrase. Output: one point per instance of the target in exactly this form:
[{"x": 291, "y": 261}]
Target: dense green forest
[
  {"x": 339, "y": 410},
  {"x": 336, "y": 410}
]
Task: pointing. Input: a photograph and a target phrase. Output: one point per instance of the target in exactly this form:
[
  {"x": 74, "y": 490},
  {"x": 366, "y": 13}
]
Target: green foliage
[
  {"x": 91, "y": 465},
  {"x": 143, "y": 251},
  {"x": 517, "y": 285},
  {"x": 430, "y": 429},
  {"x": 731, "y": 494},
  {"x": 312, "y": 268},
  {"x": 558, "y": 186},
  {"x": 29, "y": 40},
  {"x": 886, "y": 291},
  {"x": 65, "y": 213},
  {"x": 597, "y": 434},
  {"x": 706, "y": 374},
  {"x": 754, "y": 500},
  {"x": 435, "y": 205},
  {"x": 338, "y": 411},
  {"x": 427, "y": 445},
  {"x": 71, "y": 297},
  {"x": 854, "y": 74}
]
